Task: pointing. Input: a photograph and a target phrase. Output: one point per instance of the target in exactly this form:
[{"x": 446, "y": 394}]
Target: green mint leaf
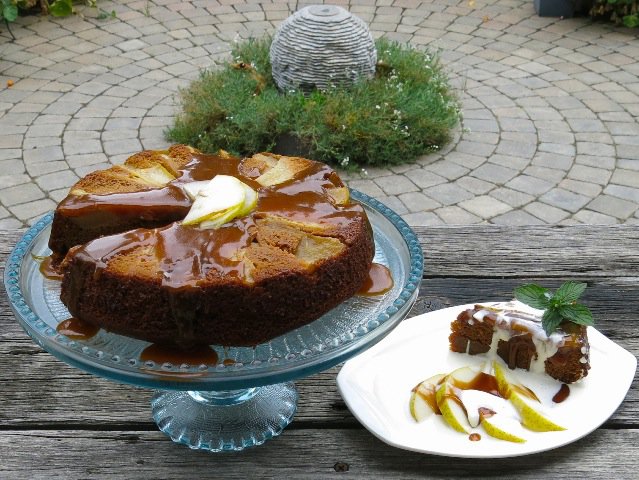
[
  {"x": 551, "y": 320},
  {"x": 533, "y": 295},
  {"x": 578, "y": 314},
  {"x": 569, "y": 292}
]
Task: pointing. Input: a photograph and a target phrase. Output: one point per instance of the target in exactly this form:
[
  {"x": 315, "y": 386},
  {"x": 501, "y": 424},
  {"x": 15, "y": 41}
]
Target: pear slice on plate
[
  {"x": 423, "y": 402},
  {"x": 501, "y": 426},
  {"x": 452, "y": 408},
  {"x": 525, "y": 401}
]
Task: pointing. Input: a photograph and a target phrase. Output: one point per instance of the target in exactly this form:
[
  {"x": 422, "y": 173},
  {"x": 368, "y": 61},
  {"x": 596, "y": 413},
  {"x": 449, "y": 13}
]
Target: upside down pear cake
[{"x": 180, "y": 247}]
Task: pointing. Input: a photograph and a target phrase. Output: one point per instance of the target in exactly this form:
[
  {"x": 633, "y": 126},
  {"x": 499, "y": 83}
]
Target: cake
[
  {"x": 513, "y": 331},
  {"x": 132, "y": 265}
]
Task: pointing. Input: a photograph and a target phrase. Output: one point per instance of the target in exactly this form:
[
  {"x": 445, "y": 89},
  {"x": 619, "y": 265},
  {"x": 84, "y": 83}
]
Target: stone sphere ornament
[{"x": 321, "y": 46}]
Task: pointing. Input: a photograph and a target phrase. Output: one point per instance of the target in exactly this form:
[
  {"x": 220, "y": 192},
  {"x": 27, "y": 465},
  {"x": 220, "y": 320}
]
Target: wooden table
[{"x": 59, "y": 422}]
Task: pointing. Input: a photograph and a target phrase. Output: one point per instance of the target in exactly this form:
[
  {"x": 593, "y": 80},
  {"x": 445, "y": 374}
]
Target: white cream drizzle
[{"x": 510, "y": 315}]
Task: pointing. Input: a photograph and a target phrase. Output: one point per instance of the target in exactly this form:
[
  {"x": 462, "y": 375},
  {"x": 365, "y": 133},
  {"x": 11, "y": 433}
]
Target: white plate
[{"x": 376, "y": 386}]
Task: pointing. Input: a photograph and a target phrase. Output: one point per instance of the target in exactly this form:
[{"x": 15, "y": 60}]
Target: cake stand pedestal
[
  {"x": 248, "y": 399},
  {"x": 227, "y": 420}
]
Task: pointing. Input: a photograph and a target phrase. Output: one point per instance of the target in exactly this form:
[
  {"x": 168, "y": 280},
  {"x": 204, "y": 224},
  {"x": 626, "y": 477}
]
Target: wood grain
[
  {"x": 307, "y": 453},
  {"x": 59, "y": 422}
]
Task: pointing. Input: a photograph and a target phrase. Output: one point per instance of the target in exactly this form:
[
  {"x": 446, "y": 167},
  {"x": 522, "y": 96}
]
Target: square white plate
[{"x": 376, "y": 387}]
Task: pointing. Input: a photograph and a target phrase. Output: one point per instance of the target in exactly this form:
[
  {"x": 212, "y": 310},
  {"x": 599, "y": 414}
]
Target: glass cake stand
[{"x": 249, "y": 397}]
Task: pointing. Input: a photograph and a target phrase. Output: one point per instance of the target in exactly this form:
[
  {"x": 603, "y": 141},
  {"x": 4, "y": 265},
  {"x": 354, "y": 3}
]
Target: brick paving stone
[
  {"x": 425, "y": 178},
  {"x": 494, "y": 173},
  {"x": 627, "y": 193},
  {"x": 475, "y": 185},
  {"x": 394, "y": 204},
  {"x": 56, "y": 180},
  {"x": 43, "y": 168},
  {"x": 127, "y": 146},
  {"x": 594, "y": 218},
  {"x": 395, "y": 185},
  {"x": 368, "y": 187},
  {"x": 541, "y": 99},
  {"x": 13, "y": 195},
  {"x": 545, "y": 212},
  {"x": 448, "y": 193},
  {"x": 422, "y": 218},
  {"x": 454, "y": 215},
  {"x": 529, "y": 184},
  {"x": 10, "y": 223},
  {"x": 417, "y": 202},
  {"x": 485, "y": 206},
  {"x": 31, "y": 210},
  {"x": 74, "y": 147},
  {"x": 584, "y": 188},
  {"x": 565, "y": 199},
  {"x": 590, "y": 174},
  {"x": 516, "y": 217},
  {"x": 625, "y": 177},
  {"x": 613, "y": 206},
  {"x": 628, "y": 164}
]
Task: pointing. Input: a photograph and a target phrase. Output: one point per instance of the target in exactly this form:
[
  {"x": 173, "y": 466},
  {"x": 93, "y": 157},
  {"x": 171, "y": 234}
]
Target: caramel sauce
[
  {"x": 562, "y": 394},
  {"x": 474, "y": 437},
  {"x": 378, "y": 281},
  {"x": 428, "y": 394},
  {"x": 197, "y": 355},
  {"x": 76, "y": 329},
  {"x": 482, "y": 381},
  {"x": 182, "y": 255},
  {"x": 49, "y": 269},
  {"x": 228, "y": 362}
]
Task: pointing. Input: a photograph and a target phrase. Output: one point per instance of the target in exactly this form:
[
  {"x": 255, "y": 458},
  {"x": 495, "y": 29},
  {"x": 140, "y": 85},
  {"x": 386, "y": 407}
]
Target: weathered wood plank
[
  {"x": 60, "y": 393},
  {"x": 512, "y": 251},
  {"x": 545, "y": 251},
  {"x": 297, "y": 453},
  {"x": 58, "y": 422}
]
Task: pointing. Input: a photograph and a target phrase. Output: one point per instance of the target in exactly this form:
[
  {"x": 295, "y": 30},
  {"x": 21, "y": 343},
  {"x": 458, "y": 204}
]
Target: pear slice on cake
[{"x": 218, "y": 201}]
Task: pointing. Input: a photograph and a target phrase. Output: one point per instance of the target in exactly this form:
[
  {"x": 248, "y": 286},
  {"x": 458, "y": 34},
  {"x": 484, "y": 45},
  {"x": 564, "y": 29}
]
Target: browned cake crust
[
  {"x": 302, "y": 251},
  {"x": 518, "y": 339},
  {"x": 120, "y": 192}
]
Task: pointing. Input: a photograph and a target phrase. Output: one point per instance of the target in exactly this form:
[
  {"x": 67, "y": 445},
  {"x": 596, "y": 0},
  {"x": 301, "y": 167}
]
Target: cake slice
[{"x": 513, "y": 332}]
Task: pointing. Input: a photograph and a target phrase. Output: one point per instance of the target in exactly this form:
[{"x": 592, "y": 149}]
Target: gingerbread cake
[
  {"x": 138, "y": 265},
  {"x": 513, "y": 331}
]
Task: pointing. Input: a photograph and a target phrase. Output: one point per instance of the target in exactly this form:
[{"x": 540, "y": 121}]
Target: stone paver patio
[{"x": 550, "y": 131}]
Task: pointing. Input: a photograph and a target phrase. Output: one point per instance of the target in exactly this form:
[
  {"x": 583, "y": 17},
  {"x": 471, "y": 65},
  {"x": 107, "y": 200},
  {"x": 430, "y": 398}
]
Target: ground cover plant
[{"x": 407, "y": 110}]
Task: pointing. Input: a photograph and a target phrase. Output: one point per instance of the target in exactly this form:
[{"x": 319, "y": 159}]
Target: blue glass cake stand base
[
  {"x": 247, "y": 398},
  {"x": 228, "y": 420}
]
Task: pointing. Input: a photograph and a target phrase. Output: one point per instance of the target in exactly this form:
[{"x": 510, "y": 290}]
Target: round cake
[{"x": 178, "y": 247}]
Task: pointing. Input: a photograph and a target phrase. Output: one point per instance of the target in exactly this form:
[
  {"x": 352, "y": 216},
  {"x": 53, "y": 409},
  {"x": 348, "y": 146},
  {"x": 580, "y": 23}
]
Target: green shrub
[
  {"x": 407, "y": 110},
  {"x": 624, "y": 12}
]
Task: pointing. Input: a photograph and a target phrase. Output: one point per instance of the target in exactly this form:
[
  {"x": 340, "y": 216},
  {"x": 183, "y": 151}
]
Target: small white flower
[
  {"x": 344, "y": 161},
  {"x": 343, "y": 127},
  {"x": 378, "y": 107}
]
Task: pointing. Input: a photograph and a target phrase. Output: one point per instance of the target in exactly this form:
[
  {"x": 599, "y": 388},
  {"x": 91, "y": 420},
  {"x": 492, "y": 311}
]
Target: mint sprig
[{"x": 560, "y": 306}]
